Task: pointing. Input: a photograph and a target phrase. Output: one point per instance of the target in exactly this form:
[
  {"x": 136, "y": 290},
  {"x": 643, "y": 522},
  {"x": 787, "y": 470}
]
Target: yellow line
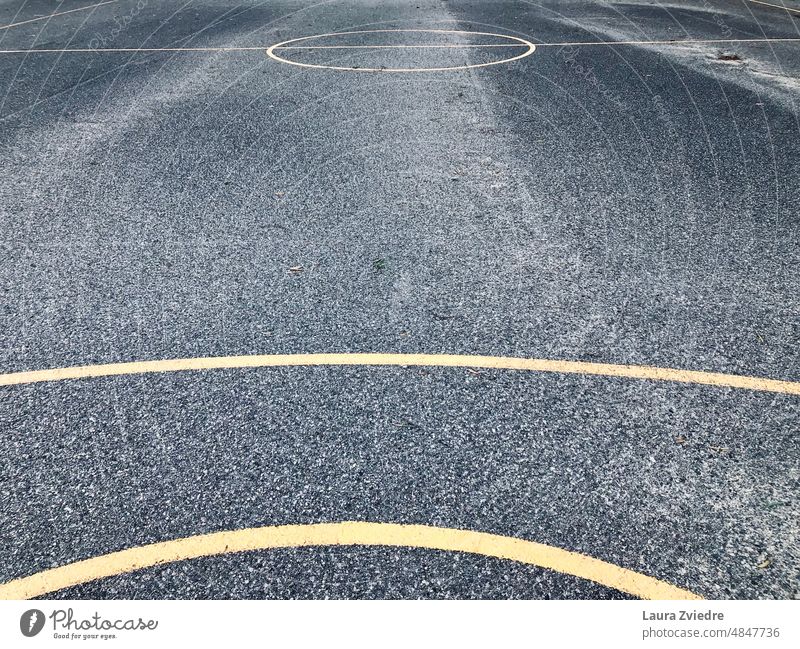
[
  {"x": 346, "y": 533},
  {"x": 60, "y": 13},
  {"x": 767, "y": 4},
  {"x": 646, "y": 372}
]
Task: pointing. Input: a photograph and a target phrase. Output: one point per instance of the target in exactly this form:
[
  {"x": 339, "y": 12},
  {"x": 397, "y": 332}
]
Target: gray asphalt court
[{"x": 605, "y": 192}]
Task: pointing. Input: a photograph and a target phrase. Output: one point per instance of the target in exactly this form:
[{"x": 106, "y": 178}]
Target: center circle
[{"x": 388, "y": 43}]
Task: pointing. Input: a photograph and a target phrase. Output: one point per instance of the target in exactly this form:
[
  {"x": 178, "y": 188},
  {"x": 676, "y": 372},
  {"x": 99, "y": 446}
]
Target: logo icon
[{"x": 31, "y": 622}]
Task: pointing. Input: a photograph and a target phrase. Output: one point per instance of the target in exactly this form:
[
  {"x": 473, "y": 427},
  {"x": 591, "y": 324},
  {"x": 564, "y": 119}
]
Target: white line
[
  {"x": 692, "y": 41},
  {"x": 767, "y": 4},
  {"x": 366, "y": 47},
  {"x": 257, "y": 48},
  {"x": 530, "y": 49},
  {"x": 89, "y": 50}
]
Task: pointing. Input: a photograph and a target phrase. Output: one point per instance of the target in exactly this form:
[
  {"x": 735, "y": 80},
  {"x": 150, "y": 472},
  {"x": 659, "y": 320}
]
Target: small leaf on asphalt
[
  {"x": 681, "y": 439},
  {"x": 766, "y": 563}
]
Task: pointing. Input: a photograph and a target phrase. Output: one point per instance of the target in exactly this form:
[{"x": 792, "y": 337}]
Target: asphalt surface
[{"x": 627, "y": 203}]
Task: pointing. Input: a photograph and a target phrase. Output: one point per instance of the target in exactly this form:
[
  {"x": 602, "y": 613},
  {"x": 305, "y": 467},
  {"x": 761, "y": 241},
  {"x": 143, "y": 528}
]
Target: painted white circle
[{"x": 515, "y": 42}]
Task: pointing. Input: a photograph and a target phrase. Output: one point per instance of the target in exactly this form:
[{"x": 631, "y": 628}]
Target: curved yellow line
[
  {"x": 347, "y": 533},
  {"x": 271, "y": 51},
  {"x": 645, "y": 372}
]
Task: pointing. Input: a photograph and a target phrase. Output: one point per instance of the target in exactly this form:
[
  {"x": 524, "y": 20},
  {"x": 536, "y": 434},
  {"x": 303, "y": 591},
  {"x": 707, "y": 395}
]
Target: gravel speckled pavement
[{"x": 170, "y": 191}]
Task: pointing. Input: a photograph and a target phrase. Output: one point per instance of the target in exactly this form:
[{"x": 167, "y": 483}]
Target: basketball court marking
[
  {"x": 344, "y": 534},
  {"x": 262, "y": 48},
  {"x": 364, "y": 533},
  {"x": 767, "y": 4},
  {"x": 646, "y": 372},
  {"x": 530, "y": 48}
]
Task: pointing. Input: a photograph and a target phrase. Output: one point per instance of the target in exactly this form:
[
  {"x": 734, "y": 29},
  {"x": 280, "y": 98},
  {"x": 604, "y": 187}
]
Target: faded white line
[
  {"x": 60, "y": 13},
  {"x": 767, "y": 4}
]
